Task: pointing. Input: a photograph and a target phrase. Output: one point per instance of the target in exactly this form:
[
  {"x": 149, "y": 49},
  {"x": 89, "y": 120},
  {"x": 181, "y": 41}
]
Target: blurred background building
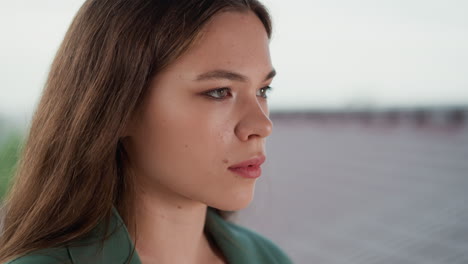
[{"x": 367, "y": 162}]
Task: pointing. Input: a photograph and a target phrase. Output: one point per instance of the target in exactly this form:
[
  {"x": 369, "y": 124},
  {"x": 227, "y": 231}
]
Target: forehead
[{"x": 230, "y": 40}]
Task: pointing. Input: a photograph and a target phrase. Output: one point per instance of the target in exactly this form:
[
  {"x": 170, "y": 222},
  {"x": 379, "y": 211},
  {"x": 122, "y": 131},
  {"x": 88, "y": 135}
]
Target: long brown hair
[{"x": 71, "y": 170}]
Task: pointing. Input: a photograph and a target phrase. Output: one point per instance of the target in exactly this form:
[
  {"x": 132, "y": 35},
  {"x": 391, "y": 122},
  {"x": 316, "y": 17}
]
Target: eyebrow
[{"x": 229, "y": 75}]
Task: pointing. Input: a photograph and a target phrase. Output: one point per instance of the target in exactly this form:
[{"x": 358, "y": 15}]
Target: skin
[{"x": 182, "y": 141}]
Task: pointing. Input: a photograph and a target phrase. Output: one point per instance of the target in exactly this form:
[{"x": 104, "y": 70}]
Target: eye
[
  {"x": 221, "y": 93},
  {"x": 264, "y": 91}
]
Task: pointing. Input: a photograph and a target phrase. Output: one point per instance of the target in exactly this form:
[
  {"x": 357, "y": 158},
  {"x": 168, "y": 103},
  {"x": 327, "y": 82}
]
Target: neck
[{"x": 170, "y": 228}]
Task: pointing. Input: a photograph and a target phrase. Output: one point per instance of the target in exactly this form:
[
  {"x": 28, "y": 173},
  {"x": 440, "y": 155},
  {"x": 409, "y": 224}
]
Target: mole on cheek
[{"x": 225, "y": 161}]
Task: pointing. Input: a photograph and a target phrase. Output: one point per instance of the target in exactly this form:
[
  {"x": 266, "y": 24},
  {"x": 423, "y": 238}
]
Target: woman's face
[{"x": 184, "y": 139}]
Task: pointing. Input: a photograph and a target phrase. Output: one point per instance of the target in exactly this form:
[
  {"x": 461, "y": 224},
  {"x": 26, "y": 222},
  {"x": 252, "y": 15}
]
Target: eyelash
[{"x": 266, "y": 88}]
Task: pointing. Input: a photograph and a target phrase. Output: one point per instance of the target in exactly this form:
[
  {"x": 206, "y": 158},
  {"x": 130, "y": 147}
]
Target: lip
[
  {"x": 249, "y": 168},
  {"x": 254, "y": 162}
]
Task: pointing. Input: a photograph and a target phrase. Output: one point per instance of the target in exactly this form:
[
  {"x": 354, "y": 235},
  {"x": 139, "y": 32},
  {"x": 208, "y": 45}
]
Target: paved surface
[{"x": 335, "y": 192}]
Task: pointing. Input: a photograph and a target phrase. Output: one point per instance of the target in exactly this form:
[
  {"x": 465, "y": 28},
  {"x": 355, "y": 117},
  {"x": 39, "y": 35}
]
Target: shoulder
[
  {"x": 101, "y": 245},
  {"x": 45, "y": 256}
]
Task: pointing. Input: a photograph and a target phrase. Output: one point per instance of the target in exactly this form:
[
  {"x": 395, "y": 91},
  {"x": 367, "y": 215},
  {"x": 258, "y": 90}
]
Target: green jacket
[{"x": 238, "y": 244}]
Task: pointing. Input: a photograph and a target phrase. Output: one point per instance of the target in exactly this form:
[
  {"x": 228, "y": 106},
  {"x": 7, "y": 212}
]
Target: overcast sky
[{"x": 328, "y": 53}]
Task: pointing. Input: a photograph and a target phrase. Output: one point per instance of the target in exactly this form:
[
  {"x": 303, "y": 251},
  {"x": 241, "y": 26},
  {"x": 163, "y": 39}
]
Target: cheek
[
  {"x": 189, "y": 155},
  {"x": 180, "y": 149}
]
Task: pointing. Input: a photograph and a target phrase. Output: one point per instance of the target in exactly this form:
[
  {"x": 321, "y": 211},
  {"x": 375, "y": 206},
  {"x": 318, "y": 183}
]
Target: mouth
[
  {"x": 251, "y": 172},
  {"x": 249, "y": 168},
  {"x": 253, "y": 162}
]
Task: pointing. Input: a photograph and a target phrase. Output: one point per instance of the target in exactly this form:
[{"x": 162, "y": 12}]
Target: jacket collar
[
  {"x": 119, "y": 246},
  {"x": 230, "y": 238}
]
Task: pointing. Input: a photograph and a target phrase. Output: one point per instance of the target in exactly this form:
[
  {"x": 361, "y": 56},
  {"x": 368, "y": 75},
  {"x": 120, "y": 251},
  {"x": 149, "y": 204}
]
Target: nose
[{"x": 255, "y": 121}]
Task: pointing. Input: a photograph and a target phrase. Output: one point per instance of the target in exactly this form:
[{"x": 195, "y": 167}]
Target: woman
[{"x": 150, "y": 108}]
